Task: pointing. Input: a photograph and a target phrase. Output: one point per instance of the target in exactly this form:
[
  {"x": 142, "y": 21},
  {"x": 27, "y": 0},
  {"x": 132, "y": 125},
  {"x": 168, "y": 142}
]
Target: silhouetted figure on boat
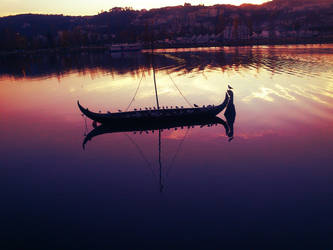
[{"x": 230, "y": 115}]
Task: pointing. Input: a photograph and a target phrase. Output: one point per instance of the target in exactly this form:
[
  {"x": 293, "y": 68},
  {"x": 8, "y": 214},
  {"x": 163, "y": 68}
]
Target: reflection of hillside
[
  {"x": 58, "y": 65},
  {"x": 290, "y": 60}
]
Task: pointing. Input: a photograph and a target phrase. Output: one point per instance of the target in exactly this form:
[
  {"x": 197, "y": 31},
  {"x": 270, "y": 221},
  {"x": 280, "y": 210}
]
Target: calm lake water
[{"x": 270, "y": 187}]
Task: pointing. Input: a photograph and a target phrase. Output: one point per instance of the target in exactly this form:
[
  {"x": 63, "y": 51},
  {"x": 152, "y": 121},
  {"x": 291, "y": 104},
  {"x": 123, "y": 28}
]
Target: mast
[{"x": 152, "y": 50}]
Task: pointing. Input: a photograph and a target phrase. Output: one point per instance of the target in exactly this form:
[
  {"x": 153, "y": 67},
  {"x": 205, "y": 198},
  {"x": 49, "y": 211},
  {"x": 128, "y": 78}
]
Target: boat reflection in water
[{"x": 152, "y": 125}]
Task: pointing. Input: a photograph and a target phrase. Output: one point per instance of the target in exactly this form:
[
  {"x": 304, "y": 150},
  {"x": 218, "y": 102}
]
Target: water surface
[{"x": 271, "y": 186}]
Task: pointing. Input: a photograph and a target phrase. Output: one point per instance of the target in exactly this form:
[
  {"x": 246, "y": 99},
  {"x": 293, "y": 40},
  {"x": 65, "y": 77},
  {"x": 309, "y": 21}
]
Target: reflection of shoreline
[{"x": 276, "y": 59}]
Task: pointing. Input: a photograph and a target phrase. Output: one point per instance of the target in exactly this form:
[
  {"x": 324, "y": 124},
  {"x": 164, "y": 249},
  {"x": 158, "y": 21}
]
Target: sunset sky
[{"x": 89, "y": 7}]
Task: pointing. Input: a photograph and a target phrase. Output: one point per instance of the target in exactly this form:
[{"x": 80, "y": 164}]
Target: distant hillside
[{"x": 279, "y": 21}]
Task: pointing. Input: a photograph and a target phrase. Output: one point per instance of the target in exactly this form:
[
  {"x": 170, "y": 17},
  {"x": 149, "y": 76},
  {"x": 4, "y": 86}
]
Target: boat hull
[
  {"x": 151, "y": 116},
  {"x": 160, "y": 115}
]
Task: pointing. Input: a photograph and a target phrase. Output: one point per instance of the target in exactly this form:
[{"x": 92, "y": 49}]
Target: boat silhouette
[{"x": 158, "y": 114}]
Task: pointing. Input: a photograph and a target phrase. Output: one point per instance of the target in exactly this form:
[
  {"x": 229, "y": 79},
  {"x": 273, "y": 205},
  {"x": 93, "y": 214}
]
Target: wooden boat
[
  {"x": 158, "y": 114},
  {"x": 164, "y": 114}
]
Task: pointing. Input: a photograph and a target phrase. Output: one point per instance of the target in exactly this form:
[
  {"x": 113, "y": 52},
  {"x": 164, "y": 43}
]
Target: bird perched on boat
[
  {"x": 229, "y": 87},
  {"x": 195, "y": 105}
]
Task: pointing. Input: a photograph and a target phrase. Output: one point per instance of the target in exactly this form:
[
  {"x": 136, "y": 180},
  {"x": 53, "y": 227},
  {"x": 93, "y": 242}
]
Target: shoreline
[{"x": 105, "y": 49}]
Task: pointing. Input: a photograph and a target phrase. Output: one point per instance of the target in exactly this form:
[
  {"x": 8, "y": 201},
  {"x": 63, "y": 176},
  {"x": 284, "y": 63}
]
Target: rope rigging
[
  {"x": 142, "y": 154},
  {"x": 136, "y": 91},
  {"x": 180, "y": 91},
  {"x": 168, "y": 170},
  {"x": 139, "y": 84}
]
